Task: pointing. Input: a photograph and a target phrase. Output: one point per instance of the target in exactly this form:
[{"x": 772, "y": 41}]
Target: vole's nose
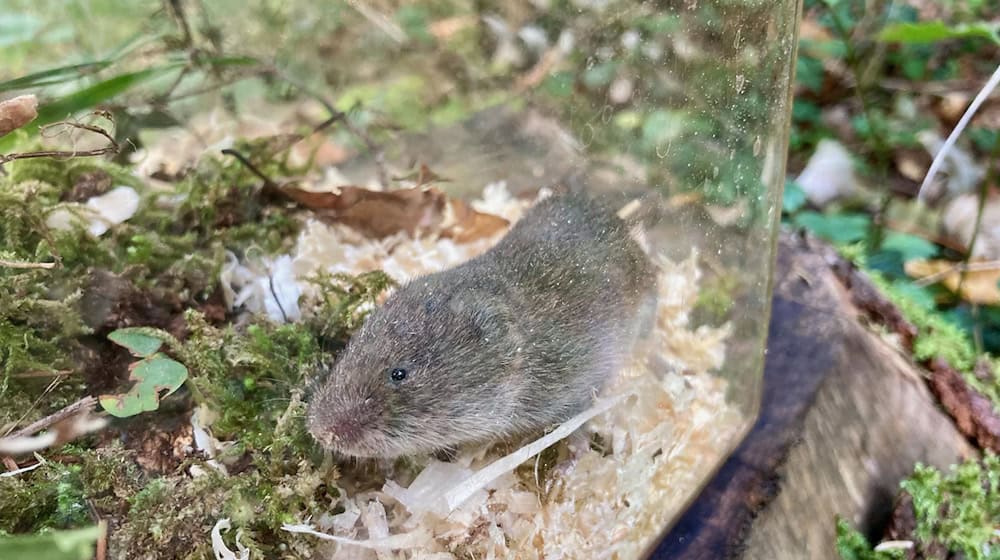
[{"x": 346, "y": 428}]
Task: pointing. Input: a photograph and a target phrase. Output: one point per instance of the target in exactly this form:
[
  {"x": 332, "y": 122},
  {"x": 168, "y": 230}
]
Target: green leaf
[
  {"x": 935, "y": 31},
  {"x": 154, "y": 375},
  {"x": 837, "y": 228},
  {"x": 558, "y": 84},
  {"x": 54, "y": 75},
  {"x": 810, "y": 73},
  {"x": 77, "y": 544},
  {"x": 137, "y": 342},
  {"x": 910, "y": 246},
  {"x": 793, "y": 198},
  {"x": 90, "y": 97},
  {"x": 71, "y": 72}
]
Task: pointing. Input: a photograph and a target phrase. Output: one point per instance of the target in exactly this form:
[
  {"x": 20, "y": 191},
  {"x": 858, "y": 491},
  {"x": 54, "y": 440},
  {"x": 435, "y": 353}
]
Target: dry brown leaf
[
  {"x": 951, "y": 107},
  {"x": 17, "y": 112},
  {"x": 979, "y": 286},
  {"x": 912, "y": 163},
  {"x": 418, "y": 210},
  {"x": 470, "y": 224}
]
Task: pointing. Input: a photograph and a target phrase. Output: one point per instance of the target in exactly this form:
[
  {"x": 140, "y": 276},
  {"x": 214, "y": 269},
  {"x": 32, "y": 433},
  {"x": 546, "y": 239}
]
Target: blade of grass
[
  {"x": 54, "y": 75},
  {"x": 71, "y": 72},
  {"x": 90, "y": 97}
]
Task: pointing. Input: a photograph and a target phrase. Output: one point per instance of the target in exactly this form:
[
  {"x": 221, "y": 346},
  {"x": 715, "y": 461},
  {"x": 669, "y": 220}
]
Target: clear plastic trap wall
[{"x": 375, "y": 143}]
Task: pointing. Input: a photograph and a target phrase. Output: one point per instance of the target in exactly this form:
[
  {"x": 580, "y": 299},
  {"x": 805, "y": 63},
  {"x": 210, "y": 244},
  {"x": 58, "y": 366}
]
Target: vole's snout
[
  {"x": 344, "y": 427},
  {"x": 341, "y": 430}
]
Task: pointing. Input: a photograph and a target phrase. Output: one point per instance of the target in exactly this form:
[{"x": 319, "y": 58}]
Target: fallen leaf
[
  {"x": 979, "y": 286},
  {"x": 17, "y": 112},
  {"x": 952, "y": 105},
  {"x": 416, "y": 211},
  {"x": 912, "y": 163},
  {"x": 469, "y": 224},
  {"x": 155, "y": 375},
  {"x": 959, "y": 221}
]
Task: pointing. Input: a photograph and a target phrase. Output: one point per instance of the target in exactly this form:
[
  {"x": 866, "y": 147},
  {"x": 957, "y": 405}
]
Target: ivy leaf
[
  {"x": 77, "y": 544},
  {"x": 793, "y": 198},
  {"x": 909, "y": 246},
  {"x": 837, "y": 228},
  {"x": 154, "y": 375},
  {"x": 935, "y": 31},
  {"x": 137, "y": 342}
]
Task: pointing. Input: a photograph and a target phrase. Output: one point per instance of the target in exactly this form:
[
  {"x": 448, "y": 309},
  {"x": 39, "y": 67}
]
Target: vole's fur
[{"x": 510, "y": 342}]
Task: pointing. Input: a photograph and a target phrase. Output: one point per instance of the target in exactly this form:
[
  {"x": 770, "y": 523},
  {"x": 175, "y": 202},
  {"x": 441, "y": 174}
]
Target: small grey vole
[{"x": 513, "y": 341}]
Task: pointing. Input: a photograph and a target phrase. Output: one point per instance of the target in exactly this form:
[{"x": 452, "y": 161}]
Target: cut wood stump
[{"x": 845, "y": 416}]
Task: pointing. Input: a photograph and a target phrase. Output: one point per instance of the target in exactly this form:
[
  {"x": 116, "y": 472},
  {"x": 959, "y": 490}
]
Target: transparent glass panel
[{"x": 673, "y": 114}]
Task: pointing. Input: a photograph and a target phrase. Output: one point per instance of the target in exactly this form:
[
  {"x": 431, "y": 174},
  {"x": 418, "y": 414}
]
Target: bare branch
[
  {"x": 19, "y": 264},
  {"x": 112, "y": 148}
]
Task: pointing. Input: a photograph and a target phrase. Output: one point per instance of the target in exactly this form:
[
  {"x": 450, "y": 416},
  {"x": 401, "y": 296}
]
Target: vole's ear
[{"x": 486, "y": 317}]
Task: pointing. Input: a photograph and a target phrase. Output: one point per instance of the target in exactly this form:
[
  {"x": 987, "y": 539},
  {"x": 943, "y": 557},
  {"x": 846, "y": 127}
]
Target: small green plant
[
  {"x": 852, "y": 545},
  {"x": 156, "y": 375}
]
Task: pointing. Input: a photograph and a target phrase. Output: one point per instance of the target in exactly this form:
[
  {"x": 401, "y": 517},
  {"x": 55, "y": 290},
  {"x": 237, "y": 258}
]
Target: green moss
[
  {"x": 937, "y": 337},
  {"x": 852, "y": 545},
  {"x": 60, "y": 496},
  {"x": 960, "y": 509},
  {"x": 343, "y": 300},
  {"x": 175, "y": 515},
  {"x": 715, "y": 299}
]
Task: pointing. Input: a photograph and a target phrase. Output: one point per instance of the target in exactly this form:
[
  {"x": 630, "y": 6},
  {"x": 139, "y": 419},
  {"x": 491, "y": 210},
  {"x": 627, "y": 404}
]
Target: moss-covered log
[{"x": 845, "y": 416}]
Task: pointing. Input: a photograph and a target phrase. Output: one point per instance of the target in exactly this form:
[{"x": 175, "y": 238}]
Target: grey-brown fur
[{"x": 513, "y": 341}]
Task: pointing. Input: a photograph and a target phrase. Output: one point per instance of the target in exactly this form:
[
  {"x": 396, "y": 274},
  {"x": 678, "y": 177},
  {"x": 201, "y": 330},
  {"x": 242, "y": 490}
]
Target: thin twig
[
  {"x": 48, "y": 389},
  {"x": 36, "y": 374},
  {"x": 111, "y": 149},
  {"x": 102, "y": 540},
  {"x": 19, "y": 264},
  {"x": 335, "y": 115},
  {"x": 21, "y": 470},
  {"x": 85, "y": 404},
  {"x": 268, "y": 182},
  {"x": 959, "y": 267},
  {"x": 274, "y": 294},
  {"x": 939, "y": 158}
]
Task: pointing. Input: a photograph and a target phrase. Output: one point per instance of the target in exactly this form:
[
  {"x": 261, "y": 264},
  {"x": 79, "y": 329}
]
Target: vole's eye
[{"x": 398, "y": 374}]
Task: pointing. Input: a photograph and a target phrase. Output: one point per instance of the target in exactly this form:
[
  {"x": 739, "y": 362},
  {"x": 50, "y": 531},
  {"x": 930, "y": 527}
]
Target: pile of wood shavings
[{"x": 658, "y": 442}]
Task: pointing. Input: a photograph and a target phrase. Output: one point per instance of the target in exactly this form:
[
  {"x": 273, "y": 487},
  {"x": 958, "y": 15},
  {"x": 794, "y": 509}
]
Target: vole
[{"x": 513, "y": 341}]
